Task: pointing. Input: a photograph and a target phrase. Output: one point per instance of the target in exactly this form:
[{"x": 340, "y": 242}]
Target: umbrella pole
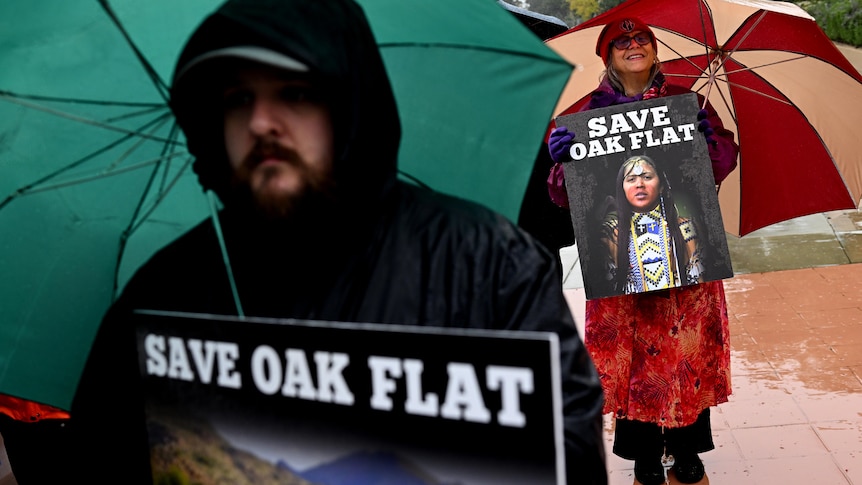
[
  {"x": 217, "y": 225},
  {"x": 713, "y": 69}
]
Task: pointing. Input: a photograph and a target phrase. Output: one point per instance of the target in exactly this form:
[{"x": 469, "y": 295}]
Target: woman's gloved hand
[
  {"x": 559, "y": 143},
  {"x": 705, "y": 127}
]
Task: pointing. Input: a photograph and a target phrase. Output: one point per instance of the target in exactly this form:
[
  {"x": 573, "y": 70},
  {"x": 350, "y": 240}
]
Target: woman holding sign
[{"x": 663, "y": 356}]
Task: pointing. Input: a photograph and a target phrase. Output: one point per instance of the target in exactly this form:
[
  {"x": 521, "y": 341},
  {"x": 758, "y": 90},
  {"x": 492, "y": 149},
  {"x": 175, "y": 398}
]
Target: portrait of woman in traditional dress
[{"x": 650, "y": 247}]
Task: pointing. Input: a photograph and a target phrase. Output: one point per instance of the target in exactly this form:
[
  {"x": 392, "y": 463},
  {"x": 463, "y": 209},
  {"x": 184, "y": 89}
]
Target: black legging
[{"x": 636, "y": 440}]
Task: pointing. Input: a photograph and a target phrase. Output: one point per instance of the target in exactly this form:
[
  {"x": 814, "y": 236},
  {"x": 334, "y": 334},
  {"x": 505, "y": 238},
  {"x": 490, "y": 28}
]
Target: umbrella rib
[
  {"x": 135, "y": 114},
  {"x": 157, "y": 123},
  {"x": 723, "y": 79},
  {"x": 683, "y": 76},
  {"x": 712, "y": 74},
  {"x": 138, "y": 221},
  {"x": 30, "y": 187},
  {"x": 727, "y": 73},
  {"x": 769, "y": 96},
  {"x": 80, "y": 119},
  {"x": 172, "y": 146},
  {"x": 101, "y": 175},
  {"x": 744, "y": 36},
  {"x": 97, "y": 102},
  {"x": 753, "y": 71},
  {"x": 166, "y": 185},
  {"x": 162, "y": 189},
  {"x": 154, "y": 76},
  {"x": 686, "y": 58},
  {"x": 727, "y": 104},
  {"x": 726, "y": 55},
  {"x": 701, "y": 5},
  {"x": 774, "y": 63}
]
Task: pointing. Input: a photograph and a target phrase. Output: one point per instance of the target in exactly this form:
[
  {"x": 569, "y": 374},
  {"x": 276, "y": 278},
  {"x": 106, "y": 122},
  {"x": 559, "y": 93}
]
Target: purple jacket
[{"x": 723, "y": 154}]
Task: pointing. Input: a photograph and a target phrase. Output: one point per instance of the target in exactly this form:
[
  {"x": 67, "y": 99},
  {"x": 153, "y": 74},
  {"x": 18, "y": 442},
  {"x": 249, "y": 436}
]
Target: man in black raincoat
[{"x": 319, "y": 227}]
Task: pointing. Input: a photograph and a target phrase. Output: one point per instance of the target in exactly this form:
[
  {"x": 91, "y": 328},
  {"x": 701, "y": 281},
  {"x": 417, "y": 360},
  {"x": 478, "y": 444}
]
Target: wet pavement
[{"x": 795, "y": 415}]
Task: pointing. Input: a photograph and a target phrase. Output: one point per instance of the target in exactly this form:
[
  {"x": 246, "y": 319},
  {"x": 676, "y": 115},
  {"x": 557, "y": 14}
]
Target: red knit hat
[{"x": 618, "y": 27}]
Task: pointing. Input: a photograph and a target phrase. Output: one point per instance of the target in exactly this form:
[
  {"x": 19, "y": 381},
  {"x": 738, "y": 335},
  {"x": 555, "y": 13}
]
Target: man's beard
[{"x": 316, "y": 196}]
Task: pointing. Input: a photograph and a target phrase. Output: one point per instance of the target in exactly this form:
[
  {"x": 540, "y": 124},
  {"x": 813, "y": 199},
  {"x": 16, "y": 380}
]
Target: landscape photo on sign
[{"x": 642, "y": 198}]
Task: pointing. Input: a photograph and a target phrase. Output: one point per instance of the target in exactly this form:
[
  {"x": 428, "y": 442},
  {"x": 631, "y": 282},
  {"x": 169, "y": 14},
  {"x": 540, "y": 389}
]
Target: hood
[{"x": 333, "y": 40}]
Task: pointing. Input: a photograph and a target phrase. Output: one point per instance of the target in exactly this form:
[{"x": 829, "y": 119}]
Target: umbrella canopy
[
  {"x": 775, "y": 79},
  {"x": 94, "y": 175}
]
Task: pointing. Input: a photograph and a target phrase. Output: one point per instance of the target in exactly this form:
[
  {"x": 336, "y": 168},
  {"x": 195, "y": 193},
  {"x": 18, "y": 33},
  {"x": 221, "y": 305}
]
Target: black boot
[
  {"x": 650, "y": 472},
  {"x": 688, "y": 468}
]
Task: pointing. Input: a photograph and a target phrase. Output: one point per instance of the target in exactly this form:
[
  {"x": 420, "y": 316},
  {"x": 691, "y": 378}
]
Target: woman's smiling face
[{"x": 635, "y": 58}]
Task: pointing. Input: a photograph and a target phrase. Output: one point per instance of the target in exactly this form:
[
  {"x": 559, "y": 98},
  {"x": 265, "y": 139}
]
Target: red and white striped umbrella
[{"x": 776, "y": 80}]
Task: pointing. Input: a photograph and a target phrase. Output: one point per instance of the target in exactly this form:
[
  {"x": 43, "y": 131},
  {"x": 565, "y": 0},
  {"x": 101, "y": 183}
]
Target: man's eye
[
  {"x": 630, "y": 180},
  {"x": 300, "y": 94},
  {"x": 236, "y": 98}
]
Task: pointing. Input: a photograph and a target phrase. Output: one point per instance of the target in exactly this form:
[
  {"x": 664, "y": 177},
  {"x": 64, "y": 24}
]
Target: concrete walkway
[{"x": 795, "y": 308}]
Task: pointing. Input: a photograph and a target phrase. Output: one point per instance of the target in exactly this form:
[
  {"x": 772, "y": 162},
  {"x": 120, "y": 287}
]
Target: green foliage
[
  {"x": 174, "y": 476},
  {"x": 841, "y": 20},
  {"x": 585, "y": 9}
]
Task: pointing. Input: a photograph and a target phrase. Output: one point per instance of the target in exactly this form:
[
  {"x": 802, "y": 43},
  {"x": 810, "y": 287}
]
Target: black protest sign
[
  {"x": 641, "y": 192},
  {"x": 316, "y": 401}
]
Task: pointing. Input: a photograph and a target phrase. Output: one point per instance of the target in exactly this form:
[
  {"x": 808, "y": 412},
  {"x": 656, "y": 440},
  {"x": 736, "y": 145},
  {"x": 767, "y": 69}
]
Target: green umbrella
[{"x": 94, "y": 176}]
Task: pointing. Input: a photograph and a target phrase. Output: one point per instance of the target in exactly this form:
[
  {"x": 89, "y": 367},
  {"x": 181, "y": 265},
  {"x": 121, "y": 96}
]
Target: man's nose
[{"x": 264, "y": 120}]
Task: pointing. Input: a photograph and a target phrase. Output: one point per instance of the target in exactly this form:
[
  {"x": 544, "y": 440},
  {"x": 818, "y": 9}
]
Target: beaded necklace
[{"x": 650, "y": 252}]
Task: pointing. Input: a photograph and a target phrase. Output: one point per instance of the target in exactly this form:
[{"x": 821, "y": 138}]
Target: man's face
[
  {"x": 641, "y": 185},
  {"x": 278, "y": 136}
]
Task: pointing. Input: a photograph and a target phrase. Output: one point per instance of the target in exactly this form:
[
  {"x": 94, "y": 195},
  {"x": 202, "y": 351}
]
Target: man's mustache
[{"x": 266, "y": 149}]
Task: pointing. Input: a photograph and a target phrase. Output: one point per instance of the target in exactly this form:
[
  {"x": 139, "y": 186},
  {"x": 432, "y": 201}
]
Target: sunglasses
[{"x": 623, "y": 43}]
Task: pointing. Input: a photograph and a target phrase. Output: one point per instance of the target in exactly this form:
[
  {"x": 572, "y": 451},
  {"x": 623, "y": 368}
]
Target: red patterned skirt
[{"x": 662, "y": 356}]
